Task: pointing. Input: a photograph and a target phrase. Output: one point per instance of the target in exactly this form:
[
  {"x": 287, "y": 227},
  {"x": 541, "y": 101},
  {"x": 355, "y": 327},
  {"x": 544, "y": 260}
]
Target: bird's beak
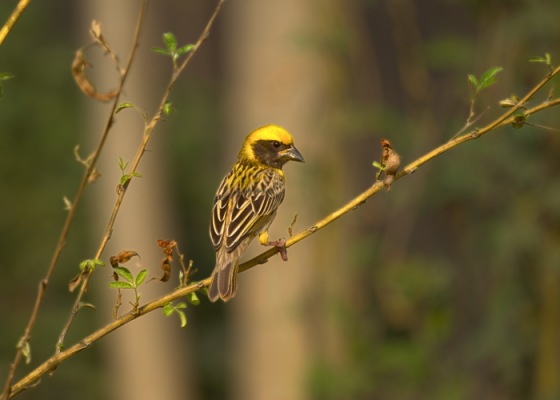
[{"x": 291, "y": 154}]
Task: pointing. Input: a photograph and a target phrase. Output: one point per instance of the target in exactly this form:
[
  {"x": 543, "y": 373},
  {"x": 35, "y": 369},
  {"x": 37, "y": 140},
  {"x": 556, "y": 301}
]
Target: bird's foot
[{"x": 281, "y": 244}]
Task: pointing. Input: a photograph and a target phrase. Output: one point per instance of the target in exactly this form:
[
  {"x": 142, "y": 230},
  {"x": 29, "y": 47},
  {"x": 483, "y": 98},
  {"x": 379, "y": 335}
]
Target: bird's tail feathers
[{"x": 224, "y": 282}]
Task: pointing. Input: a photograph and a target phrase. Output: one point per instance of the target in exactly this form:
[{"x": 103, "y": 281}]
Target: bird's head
[{"x": 270, "y": 145}]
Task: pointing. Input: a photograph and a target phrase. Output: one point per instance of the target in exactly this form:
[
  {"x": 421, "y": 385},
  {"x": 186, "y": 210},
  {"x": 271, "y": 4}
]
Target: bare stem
[
  {"x": 59, "y": 358},
  {"x": 65, "y": 230},
  {"x": 20, "y": 8},
  {"x": 148, "y": 132},
  {"x": 83, "y": 288}
]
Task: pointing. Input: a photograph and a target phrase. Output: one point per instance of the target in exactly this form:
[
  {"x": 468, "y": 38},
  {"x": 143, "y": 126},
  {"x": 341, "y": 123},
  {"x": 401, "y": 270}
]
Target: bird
[{"x": 246, "y": 203}]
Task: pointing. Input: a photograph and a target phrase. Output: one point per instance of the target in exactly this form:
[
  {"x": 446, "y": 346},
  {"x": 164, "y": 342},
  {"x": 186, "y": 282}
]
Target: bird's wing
[{"x": 238, "y": 214}]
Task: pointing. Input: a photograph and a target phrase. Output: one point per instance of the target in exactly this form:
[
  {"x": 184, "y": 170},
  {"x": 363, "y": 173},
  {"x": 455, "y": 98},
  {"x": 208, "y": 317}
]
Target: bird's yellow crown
[{"x": 268, "y": 132}]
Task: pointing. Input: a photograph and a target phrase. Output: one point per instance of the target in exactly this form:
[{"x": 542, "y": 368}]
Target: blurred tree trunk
[
  {"x": 273, "y": 79},
  {"x": 144, "y": 360}
]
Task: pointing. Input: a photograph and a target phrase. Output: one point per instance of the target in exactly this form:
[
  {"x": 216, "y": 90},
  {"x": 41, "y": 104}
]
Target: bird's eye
[{"x": 276, "y": 144}]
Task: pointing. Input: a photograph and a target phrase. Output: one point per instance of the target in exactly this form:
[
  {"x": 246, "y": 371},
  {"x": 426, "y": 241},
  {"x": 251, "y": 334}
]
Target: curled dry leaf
[
  {"x": 392, "y": 162},
  {"x": 123, "y": 257},
  {"x": 74, "y": 283},
  {"x": 78, "y": 70}
]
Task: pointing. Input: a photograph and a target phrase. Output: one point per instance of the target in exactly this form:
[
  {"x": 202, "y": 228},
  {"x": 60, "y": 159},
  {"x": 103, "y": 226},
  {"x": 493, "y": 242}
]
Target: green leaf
[
  {"x": 137, "y": 174},
  {"x": 507, "y": 103},
  {"x": 204, "y": 290},
  {"x": 98, "y": 262},
  {"x": 536, "y": 59},
  {"x": 473, "y": 81},
  {"x": 185, "y": 49},
  {"x": 122, "y": 107},
  {"x": 170, "y": 41},
  {"x": 377, "y": 165},
  {"x": 84, "y": 264},
  {"x": 141, "y": 276},
  {"x": 547, "y": 55},
  {"x": 183, "y": 318},
  {"x": 26, "y": 350},
  {"x": 488, "y": 75},
  {"x": 193, "y": 299},
  {"x": 121, "y": 285},
  {"x": 168, "y": 309},
  {"x": 167, "y": 109},
  {"x": 181, "y": 305},
  {"x": 124, "y": 273},
  {"x": 161, "y": 51},
  {"x": 486, "y": 83},
  {"x": 5, "y": 76},
  {"x": 124, "y": 178}
]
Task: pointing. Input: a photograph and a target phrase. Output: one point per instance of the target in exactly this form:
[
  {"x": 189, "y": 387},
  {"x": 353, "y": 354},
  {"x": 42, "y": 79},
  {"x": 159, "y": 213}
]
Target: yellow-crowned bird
[{"x": 246, "y": 203}]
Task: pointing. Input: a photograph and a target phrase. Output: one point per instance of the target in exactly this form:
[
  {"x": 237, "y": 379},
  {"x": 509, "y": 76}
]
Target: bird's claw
[{"x": 281, "y": 244}]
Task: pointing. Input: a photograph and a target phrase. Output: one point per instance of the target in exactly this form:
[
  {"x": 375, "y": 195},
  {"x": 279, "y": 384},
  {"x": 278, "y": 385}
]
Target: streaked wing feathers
[{"x": 239, "y": 213}]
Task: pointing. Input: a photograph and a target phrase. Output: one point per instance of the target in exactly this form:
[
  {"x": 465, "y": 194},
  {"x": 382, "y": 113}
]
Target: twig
[
  {"x": 469, "y": 122},
  {"x": 147, "y": 135},
  {"x": 65, "y": 230},
  {"x": 542, "y": 127},
  {"x": 20, "y": 8},
  {"x": 83, "y": 288},
  {"x": 261, "y": 258}
]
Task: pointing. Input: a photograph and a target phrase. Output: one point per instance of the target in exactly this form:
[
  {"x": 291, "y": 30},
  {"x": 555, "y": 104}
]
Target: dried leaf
[
  {"x": 74, "y": 283},
  {"x": 95, "y": 175},
  {"x": 123, "y": 257},
  {"x": 392, "y": 162},
  {"x": 78, "y": 70}
]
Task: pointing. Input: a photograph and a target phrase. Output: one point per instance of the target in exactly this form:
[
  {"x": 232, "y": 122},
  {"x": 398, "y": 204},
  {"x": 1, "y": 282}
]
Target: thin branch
[
  {"x": 83, "y": 288},
  {"x": 469, "y": 122},
  {"x": 20, "y": 8},
  {"x": 263, "y": 257},
  {"x": 147, "y": 135},
  {"x": 65, "y": 230},
  {"x": 542, "y": 127}
]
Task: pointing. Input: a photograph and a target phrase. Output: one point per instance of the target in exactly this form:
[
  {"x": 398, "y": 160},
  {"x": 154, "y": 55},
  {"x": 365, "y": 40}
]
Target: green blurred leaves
[
  {"x": 168, "y": 309},
  {"x": 546, "y": 60},
  {"x": 171, "y": 43}
]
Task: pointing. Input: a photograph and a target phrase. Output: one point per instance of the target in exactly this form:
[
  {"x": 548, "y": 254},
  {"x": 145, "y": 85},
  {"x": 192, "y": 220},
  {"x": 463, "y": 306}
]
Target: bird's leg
[{"x": 281, "y": 244}]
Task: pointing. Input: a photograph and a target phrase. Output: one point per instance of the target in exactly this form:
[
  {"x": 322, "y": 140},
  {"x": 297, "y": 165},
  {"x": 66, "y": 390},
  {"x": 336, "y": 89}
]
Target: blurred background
[{"x": 446, "y": 288}]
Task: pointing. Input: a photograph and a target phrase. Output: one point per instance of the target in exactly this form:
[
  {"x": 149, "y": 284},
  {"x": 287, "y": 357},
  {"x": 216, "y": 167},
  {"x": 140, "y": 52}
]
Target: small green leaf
[
  {"x": 185, "y": 49},
  {"x": 167, "y": 109},
  {"x": 377, "y": 165},
  {"x": 124, "y": 178},
  {"x": 204, "y": 290},
  {"x": 26, "y": 350},
  {"x": 124, "y": 273},
  {"x": 122, "y": 107},
  {"x": 473, "y": 81},
  {"x": 536, "y": 59},
  {"x": 5, "y": 76},
  {"x": 488, "y": 75},
  {"x": 121, "y": 285},
  {"x": 84, "y": 264},
  {"x": 137, "y": 174},
  {"x": 547, "y": 55},
  {"x": 193, "y": 298},
  {"x": 161, "y": 51},
  {"x": 141, "y": 276},
  {"x": 98, "y": 262},
  {"x": 507, "y": 103},
  {"x": 168, "y": 309},
  {"x": 486, "y": 83},
  {"x": 170, "y": 41},
  {"x": 183, "y": 318},
  {"x": 181, "y": 305},
  {"x": 516, "y": 99}
]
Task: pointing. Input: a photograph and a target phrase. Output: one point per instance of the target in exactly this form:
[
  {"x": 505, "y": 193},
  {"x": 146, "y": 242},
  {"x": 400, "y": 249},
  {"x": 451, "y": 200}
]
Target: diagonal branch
[
  {"x": 6, "y": 29},
  {"x": 65, "y": 230},
  {"x": 59, "y": 358},
  {"x": 147, "y": 135}
]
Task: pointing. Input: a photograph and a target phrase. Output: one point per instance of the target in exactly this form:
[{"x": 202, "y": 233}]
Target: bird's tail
[{"x": 224, "y": 282}]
